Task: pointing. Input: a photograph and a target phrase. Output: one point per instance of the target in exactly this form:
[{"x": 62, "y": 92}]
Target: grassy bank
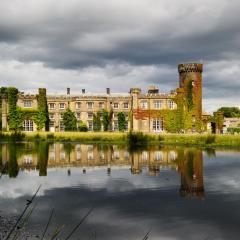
[{"x": 124, "y": 138}]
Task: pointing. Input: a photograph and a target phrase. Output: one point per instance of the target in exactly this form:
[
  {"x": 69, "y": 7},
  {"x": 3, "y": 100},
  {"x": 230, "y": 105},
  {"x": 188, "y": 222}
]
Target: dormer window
[{"x": 27, "y": 103}]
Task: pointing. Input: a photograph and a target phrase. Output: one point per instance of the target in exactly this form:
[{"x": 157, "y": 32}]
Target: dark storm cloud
[{"x": 85, "y": 35}]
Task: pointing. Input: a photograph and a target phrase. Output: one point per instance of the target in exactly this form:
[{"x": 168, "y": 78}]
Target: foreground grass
[{"x": 124, "y": 138}]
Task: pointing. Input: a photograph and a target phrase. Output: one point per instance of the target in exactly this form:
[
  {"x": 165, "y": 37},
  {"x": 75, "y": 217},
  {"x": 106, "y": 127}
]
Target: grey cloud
[{"x": 85, "y": 35}]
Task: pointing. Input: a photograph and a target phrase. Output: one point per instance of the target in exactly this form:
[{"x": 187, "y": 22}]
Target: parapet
[{"x": 190, "y": 67}]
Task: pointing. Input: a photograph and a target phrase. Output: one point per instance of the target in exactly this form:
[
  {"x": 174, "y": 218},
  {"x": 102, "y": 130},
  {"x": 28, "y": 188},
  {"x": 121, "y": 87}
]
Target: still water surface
[{"x": 178, "y": 193}]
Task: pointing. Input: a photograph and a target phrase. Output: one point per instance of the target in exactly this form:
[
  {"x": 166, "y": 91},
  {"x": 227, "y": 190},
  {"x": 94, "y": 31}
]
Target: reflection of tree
[
  {"x": 190, "y": 165},
  {"x": 68, "y": 148},
  {"x": 42, "y": 151},
  {"x": 12, "y": 163}
]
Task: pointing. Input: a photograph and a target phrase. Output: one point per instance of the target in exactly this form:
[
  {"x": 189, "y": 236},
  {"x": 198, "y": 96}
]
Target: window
[
  {"x": 62, "y": 127},
  {"x": 78, "y": 155},
  {"x": 28, "y": 125},
  {"x": 62, "y": 155},
  {"x": 101, "y": 105},
  {"x": 125, "y": 105},
  {"x": 28, "y": 159},
  {"x": 115, "y": 105},
  {"x": 158, "y": 156},
  {"x": 115, "y": 125},
  {"x": 102, "y": 156},
  {"x": 158, "y": 104},
  {"x": 145, "y": 155},
  {"x": 170, "y": 104},
  {"x": 52, "y": 156},
  {"x": 78, "y": 105},
  {"x": 116, "y": 155},
  {"x": 51, "y": 115},
  {"x": 126, "y": 155},
  {"x": 144, "y": 104},
  {"x": 90, "y": 155},
  {"x": 157, "y": 125},
  {"x": 126, "y": 126},
  {"x": 90, "y": 115},
  {"x": 89, "y": 105},
  {"x": 90, "y": 125},
  {"x": 62, "y": 105},
  {"x": 78, "y": 115},
  {"x": 61, "y": 115},
  {"x": 27, "y": 103},
  {"x": 51, "y": 124},
  {"x": 51, "y": 105}
]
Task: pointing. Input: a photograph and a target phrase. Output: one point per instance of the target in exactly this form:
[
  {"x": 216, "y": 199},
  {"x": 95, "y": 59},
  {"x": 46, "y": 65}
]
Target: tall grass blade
[
  {"x": 147, "y": 234},
  {"x": 29, "y": 202},
  {"x": 56, "y": 232},
  {"x": 48, "y": 223},
  {"x": 79, "y": 224}
]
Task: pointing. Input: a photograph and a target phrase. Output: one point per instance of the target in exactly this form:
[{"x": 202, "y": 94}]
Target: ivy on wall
[
  {"x": 107, "y": 118},
  {"x": 121, "y": 121},
  {"x": 41, "y": 116},
  {"x": 96, "y": 122}
]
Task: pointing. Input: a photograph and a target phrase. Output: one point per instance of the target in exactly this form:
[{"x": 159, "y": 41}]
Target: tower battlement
[{"x": 190, "y": 67}]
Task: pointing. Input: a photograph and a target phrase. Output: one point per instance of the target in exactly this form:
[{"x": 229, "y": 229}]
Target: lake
[{"x": 170, "y": 192}]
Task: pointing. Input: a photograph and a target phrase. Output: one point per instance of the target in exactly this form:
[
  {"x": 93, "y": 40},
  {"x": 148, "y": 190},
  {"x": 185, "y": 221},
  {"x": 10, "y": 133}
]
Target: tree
[
  {"x": 230, "y": 111},
  {"x": 82, "y": 127},
  {"x": 121, "y": 121},
  {"x": 96, "y": 122},
  {"x": 69, "y": 120}
]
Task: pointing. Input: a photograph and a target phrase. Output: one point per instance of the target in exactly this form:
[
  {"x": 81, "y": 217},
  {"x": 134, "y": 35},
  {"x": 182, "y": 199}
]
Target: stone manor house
[{"x": 147, "y": 112}]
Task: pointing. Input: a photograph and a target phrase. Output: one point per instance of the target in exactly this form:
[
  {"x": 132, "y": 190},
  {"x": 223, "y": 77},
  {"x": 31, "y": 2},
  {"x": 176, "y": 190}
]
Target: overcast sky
[{"x": 120, "y": 44}]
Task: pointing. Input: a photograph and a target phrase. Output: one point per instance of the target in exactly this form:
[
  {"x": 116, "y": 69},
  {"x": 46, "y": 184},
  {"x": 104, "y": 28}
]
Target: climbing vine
[
  {"x": 121, "y": 121},
  {"x": 96, "y": 122},
  {"x": 41, "y": 117}
]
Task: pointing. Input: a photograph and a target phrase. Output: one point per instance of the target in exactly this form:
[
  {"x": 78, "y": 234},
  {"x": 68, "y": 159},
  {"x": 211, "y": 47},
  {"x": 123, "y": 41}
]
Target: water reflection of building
[
  {"x": 44, "y": 155},
  {"x": 191, "y": 168}
]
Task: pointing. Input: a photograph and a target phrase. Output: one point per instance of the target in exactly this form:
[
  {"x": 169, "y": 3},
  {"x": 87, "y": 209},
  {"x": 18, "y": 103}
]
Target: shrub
[{"x": 210, "y": 139}]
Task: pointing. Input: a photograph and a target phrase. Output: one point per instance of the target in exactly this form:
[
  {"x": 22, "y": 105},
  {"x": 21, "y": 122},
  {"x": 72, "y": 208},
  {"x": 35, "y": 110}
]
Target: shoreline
[{"x": 197, "y": 140}]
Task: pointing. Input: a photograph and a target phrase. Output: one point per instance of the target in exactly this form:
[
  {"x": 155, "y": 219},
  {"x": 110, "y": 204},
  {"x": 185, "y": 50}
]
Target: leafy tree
[
  {"x": 82, "y": 127},
  {"x": 69, "y": 120},
  {"x": 121, "y": 121},
  {"x": 96, "y": 122},
  {"x": 230, "y": 111}
]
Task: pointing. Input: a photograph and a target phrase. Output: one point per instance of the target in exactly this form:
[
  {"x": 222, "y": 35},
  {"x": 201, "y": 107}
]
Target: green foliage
[
  {"x": 96, "y": 122},
  {"x": 107, "y": 117},
  {"x": 136, "y": 138},
  {"x": 230, "y": 112},
  {"x": 82, "y": 127},
  {"x": 15, "y": 115},
  {"x": 13, "y": 164},
  {"x": 69, "y": 120},
  {"x": 233, "y": 130},
  {"x": 42, "y": 153},
  {"x": 210, "y": 139},
  {"x": 121, "y": 121},
  {"x": 190, "y": 94},
  {"x": 41, "y": 117}
]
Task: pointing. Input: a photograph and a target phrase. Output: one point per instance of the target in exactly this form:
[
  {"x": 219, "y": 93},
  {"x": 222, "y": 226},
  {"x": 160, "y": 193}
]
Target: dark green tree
[
  {"x": 230, "y": 111},
  {"x": 121, "y": 121},
  {"x": 69, "y": 120},
  {"x": 96, "y": 122}
]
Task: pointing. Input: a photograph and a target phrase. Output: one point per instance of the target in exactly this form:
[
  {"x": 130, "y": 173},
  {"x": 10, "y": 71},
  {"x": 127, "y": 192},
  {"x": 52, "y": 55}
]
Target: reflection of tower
[
  {"x": 190, "y": 79},
  {"x": 191, "y": 169}
]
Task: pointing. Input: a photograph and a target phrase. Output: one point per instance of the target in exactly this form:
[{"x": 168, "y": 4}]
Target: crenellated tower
[{"x": 190, "y": 79}]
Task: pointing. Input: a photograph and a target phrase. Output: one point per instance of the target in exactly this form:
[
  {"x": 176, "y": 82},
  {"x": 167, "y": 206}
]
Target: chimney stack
[
  {"x": 68, "y": 91},
  {"x": 83, "y": 91},
  {"x": 108, "y": 91}
]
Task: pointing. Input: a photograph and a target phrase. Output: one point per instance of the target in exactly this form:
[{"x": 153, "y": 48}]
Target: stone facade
[{"x": 143, "y": 111}]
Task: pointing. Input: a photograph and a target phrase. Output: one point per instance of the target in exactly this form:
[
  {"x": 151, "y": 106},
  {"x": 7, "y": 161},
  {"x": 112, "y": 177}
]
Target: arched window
[{"x": 28, "y": 125}]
